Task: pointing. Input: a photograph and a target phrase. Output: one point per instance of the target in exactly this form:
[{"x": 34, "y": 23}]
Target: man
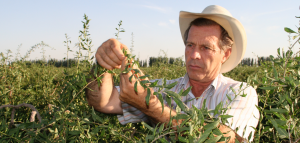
[{"x": 215, "y": 43}]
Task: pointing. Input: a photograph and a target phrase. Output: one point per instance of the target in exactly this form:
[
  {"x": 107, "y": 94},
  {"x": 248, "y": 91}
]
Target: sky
[{"x": 154, "y": 24}]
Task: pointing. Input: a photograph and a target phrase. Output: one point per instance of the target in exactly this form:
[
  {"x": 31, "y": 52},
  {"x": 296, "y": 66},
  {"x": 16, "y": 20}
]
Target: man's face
[{"x": 203, "y": 55}]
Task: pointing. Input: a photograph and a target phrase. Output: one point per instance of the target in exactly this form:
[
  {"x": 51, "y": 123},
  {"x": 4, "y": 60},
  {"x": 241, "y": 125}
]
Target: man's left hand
[{"x": 127, "y": 92}]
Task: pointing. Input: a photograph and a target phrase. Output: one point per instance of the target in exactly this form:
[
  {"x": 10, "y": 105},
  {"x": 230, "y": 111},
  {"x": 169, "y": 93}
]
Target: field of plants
[{"x": 44, "y": 102}]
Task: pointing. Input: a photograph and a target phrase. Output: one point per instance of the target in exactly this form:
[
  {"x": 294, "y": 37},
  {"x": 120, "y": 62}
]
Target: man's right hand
[
  {"x": 106, "y": 97},
  {"x": 109, "y": 55}
]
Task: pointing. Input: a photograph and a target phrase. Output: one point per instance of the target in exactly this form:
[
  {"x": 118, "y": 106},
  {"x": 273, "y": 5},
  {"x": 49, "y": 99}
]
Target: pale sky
[{"x": 154, "y": 24}]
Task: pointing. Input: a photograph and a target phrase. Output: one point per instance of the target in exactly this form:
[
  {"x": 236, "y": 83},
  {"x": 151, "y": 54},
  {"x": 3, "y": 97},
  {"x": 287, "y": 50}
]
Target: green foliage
[
  {"x": 67, "y": 42},
  {"x": 278, "y": 90},
  {"x": 85, "y": 40}
]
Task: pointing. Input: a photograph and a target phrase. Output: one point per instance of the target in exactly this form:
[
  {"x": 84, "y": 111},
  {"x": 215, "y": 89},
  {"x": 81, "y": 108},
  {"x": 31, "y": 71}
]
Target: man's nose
[{"x": 195, "y": 54}]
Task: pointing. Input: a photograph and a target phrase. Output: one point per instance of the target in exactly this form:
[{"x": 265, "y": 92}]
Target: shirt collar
[{"x": 213, "y": 84}]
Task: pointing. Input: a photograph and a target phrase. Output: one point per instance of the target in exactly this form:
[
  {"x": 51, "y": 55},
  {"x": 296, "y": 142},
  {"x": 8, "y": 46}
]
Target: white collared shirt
[{"x": 243, "y": 109}]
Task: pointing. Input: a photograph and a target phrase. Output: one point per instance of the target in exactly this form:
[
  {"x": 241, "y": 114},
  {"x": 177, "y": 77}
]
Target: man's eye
[
  {"x": 189, "y": 45},
  {"x": 207, "y": 48}
]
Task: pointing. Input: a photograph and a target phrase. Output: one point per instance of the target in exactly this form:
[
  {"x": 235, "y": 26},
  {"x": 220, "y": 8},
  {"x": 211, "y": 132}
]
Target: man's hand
[
  {"x": 228, "y": 132},
  {"x": 109, "y": 55},
  {"x": 127, "y": 92},
  {"x": 106, "y": 97}
]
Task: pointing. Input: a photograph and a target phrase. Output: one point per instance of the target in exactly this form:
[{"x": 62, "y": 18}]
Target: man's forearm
[
  {"x": 104, "y": 96},
  {"x": 154, "y": 111}
]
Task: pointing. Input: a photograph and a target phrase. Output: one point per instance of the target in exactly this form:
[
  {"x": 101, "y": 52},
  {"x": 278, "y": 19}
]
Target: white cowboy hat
[{"x": 234, "y": 28}]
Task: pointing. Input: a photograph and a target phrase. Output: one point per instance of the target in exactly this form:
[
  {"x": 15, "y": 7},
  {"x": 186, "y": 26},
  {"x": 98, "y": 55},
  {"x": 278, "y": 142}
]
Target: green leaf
[
  {"x": 204, "y": 104},
  {"x": 184, "y": 122},
  {"x": 74, "y": 132},
  {"x": 170, "y": 86},
  {"x": 180, "y": 104},
  {"x": 282, "y": 132},
  {"x": 161, "y": 127},
  {"x": 225, "y": 117},
  {"x": 144, "y": 76},
  {"x": 201, "y": 117},
  {"x": 181, "y": 116},
  {"x": 163, "y": 140},
  {"x": 250, "y": 136},
  {"x": 169, "y": 100},
  {"x": 184, "y": 93},
  {"x": 214, "y": 140},
  {"x": 160, "y": 99},
  {"x": 182, "y": 139},
  {"x": 130, "y": 78},
  {"x": 148, "y": 96},
  {"x": 287, "y": 98},
  {"x": 147, "y": 126},
  {"x": 172, "y": 94},
  {"x": 180, "y": 92},
  {"x": 153, "y": 84},
  {"x": 288, "y": 30},
  {"x": 280, "y": 116},
  {"x": 237, "y": 141},
  {"x": 279, "y": 110},
  {"x": 96, "y": 130},
  {"x": 204, "y": 136},
  {"x": 281, "y": 122},
  {"x": 275, "y": 73},
  {"x": 183, "y": 129},
  {"x": 135, "y": 86},
  {"x": 95, "y": 117},
  {"x": 212, "y": 125},
  {"x": 217, "y": 109},
  {"x": 99, "y": 80},
  {"x": 145, "y": 81},
  {"x": 268, "y": 88},
  {"x": 216, "y": 131},
  {"x": 136, "y": 71},
  {"x": 229, "y": 98}
]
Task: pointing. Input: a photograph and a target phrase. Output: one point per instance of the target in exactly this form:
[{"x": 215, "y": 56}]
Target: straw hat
[{"x": 234, "y": 28}]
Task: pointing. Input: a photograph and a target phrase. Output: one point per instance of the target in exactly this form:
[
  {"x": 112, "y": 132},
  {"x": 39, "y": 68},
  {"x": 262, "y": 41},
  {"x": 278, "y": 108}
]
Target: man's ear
[{"x": 227, "y": 53}]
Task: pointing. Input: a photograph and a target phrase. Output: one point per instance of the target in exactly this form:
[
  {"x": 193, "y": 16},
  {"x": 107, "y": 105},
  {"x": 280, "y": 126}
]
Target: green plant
[
  {"x": 68, "y": 47},
  {"x": 119, "y": 30},
  {"x": 279, "y": 95},
  {"x": 85, "y": 39}
]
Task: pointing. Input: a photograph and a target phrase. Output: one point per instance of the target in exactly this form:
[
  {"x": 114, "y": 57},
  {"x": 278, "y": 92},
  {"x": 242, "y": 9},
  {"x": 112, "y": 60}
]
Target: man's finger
[
  {"x": 102, "y": 63},
  {"x": 111, "y": 61},
  {"x": 116, "y": 48},
  {"x": 124, "y": 62}
]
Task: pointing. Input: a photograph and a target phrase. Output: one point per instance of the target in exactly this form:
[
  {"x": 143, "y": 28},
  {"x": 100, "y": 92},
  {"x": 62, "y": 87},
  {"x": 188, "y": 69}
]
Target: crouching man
[{"x": 215, "y": 43}]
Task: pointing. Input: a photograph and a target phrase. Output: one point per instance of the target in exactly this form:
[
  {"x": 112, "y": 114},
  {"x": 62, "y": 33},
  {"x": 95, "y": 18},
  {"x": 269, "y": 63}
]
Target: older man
[{"x": 215, "y": 43}]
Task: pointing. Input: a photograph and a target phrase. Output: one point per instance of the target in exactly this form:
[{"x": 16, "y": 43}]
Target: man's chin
[{"x": 196, "y": 77}]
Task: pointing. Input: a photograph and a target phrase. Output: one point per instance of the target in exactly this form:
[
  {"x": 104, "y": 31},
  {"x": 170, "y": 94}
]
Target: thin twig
[
  {"x": 12, "y": 117},
  {"x": 297, "y": 140},
  {"x": 22, "y": 105}
]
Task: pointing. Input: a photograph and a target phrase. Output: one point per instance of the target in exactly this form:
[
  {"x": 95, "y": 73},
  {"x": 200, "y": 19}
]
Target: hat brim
[{"x": 234, "y": 28}]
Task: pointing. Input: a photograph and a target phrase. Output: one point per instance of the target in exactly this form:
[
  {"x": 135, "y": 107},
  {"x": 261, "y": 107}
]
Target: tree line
[{"x": 152, "y": 61}]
